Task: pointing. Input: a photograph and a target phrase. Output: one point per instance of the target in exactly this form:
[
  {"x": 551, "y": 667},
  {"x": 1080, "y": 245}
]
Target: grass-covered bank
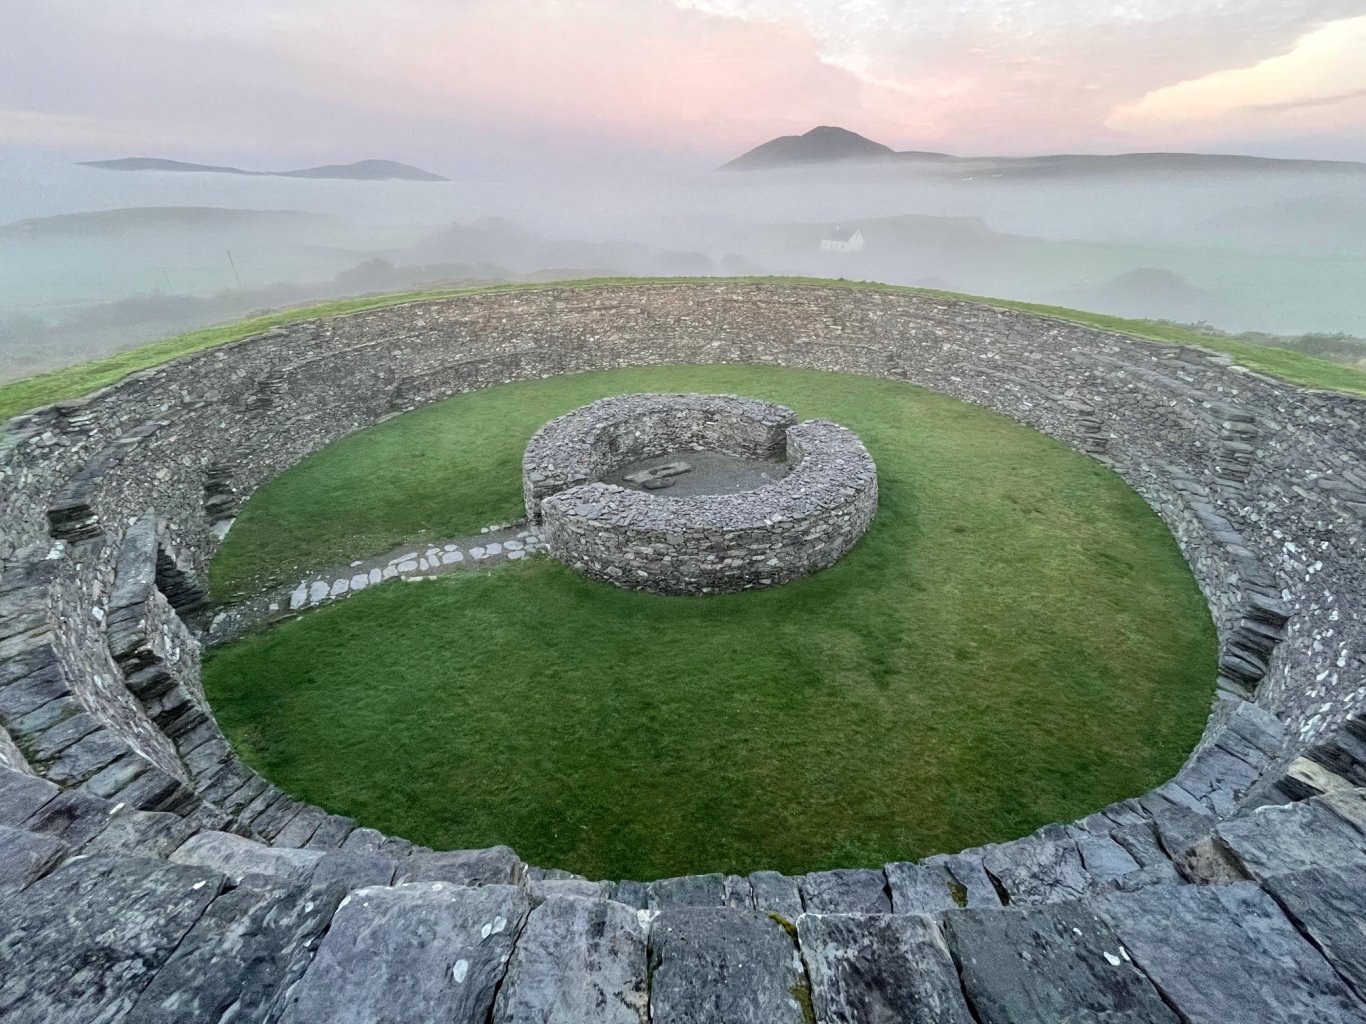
[
  {"x": 74, "y": 381},
  {"x": 1015, "y": 641}
]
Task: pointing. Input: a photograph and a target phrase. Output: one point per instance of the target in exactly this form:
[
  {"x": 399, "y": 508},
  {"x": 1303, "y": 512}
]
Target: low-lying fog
[{"x": 1280, "y": 251}]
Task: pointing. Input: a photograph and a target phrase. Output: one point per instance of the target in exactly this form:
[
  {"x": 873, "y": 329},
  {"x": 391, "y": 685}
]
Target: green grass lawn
[
  {"x": 1015, "y": 641},
  {"x": 74, "y": 381}
]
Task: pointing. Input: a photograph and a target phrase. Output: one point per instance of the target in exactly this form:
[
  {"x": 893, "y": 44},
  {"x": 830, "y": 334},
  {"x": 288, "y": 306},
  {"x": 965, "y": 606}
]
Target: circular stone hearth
[{"x": 645, "y": 539}]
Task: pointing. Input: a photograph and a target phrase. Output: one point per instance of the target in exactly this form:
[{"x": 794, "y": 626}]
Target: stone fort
[{"x": 148, "y": 874}]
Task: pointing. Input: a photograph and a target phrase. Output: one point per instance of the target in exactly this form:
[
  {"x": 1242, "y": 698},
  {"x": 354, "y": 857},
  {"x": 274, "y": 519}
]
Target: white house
[{"x": 842, "y": 240}]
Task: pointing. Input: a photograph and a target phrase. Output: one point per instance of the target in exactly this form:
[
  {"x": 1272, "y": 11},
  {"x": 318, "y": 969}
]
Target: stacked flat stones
[
  {"x": 148, "y": 875},
  {"x": 714, "y": 543}
]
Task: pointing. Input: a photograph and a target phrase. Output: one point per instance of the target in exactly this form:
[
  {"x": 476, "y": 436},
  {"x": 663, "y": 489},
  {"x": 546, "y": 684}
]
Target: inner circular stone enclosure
[{"x": 798, "y": 524}]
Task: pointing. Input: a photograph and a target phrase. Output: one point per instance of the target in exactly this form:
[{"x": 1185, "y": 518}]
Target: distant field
[
  {"x": 1016, "y": 640},
  {"x": 75, "y": 381}
]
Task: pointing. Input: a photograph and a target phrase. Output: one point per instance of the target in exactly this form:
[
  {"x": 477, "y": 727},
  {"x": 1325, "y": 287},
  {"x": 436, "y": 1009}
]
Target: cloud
[{"x": 1316, "y": 83}]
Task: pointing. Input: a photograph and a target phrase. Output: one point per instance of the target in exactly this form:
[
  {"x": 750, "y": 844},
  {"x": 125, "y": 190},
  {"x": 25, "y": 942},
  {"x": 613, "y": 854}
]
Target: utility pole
[{"x": 235, "y": 274}]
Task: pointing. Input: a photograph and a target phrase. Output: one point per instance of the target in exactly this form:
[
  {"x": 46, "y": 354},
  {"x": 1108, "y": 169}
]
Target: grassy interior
[
  {"x": 74, "y": 381},
  {"x": 1017, "y": 640}
]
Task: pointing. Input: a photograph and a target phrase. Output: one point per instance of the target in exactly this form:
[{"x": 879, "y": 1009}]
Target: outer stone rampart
[
  {"x": 715, "y": 543},
  {"x": 126, "y": 820}
]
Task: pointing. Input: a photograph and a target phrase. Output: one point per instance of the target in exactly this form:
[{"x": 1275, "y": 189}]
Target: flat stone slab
[
  {"x": 724, "y": 966},
  {"x": 237, "y": 857},
  {"x": 846, "y": 891},
  {"x": 776, "y": 894},
  {"x": 893, "y": 969},
  {"x": 496, "y": 865},
  {"x": 580, "y": 960},
  {"x": 1225, "y": 953},
  {"x": 25, "y": 857},
  {"x": 1278, "y": 840},
  {"x": 83, "y": 943},
  {"x": 1048, "y": 964},
  {"x": 242, "y": 955},
  {"x": 1330, "y": 907},
  {"x": 412, "y": 954},
  {"x": 688, "y": 891}
]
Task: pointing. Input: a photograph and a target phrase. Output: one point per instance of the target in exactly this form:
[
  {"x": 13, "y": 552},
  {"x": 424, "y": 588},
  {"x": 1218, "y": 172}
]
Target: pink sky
[{"x": 489, "y": 83}]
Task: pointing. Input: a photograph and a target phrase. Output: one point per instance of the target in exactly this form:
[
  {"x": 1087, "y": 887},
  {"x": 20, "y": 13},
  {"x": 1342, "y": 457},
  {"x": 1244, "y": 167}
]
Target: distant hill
[
  {"x": 157, "y": 218},
  {"x": 363, "y": 170},
  {"x": 828, "y": 144},
  {"x": 819, "y": 145}
]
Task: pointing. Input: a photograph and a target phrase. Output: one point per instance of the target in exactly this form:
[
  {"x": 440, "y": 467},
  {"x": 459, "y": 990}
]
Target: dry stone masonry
[
  {"x": 147, "y": 874},
  {"x": 712, "y": 543}
]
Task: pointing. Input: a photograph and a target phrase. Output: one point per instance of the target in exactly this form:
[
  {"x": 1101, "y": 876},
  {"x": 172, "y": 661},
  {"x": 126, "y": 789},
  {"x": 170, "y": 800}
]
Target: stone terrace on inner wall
[{"x": 111, "y": 506}]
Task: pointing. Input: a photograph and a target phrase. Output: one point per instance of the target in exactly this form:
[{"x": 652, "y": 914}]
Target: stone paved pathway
[{"x": 491, "y": 546}]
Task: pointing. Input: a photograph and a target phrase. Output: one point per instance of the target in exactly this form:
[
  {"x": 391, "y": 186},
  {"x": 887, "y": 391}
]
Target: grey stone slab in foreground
[
  {"x": 25, "y": 856},
  {"x": 1048, "y": 964},
  {"x": 1225, "y": 953},
  {"x": 724, "y": 966},
  {"x": 580, "y": 960},
  {"x": 846, "y": 891},
  {"x": 496, "y": 865},
  {"x": 879, "y": 967},
  {"x": 1329, "y": 907},
  {"x": 238, "y": 857},
  {"x": 416, "y": 953},
  {"x": 241, "y": 957},
  {"x": 82, "y": 943}
]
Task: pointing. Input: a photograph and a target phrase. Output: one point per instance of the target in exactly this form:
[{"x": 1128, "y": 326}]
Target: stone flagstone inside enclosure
[{"x": 786, "y": 527}]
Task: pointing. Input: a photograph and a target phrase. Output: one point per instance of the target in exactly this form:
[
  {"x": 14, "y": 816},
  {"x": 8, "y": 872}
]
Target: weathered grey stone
[
  {"x": 141, "y": 833},
  {"x": 1035, "y": 871},
  {"x": 739, "y": 893},
  {"x": 417, "y": 953},
  {"x": 966, "y": 869},
  {"x": 1329, "y": 906},
  {"x": 846, "y": 891},
  {"x": 237, "y": 857},
  {"x": 688, "y": 891},
  {"x": 21, "y": 796},
  {"x": 496, "y": 865},
  {"x": 1105, "y": 860},
  {"x": 1047, "y": 964},
  {"x": 353, "y": 870},
  {"x": 1224, "y": 953},
  {"x": 240, "y": 957},
  {"x": 776, "y": 894},
  {"x": 363, "y": 840},
  {"x": 633, "y": 894},
  {"x": 1277, "y": 840},
  {"x": 923, "y": 888},
  {"x": 577, "y": 960},
  {"x": 300, "y": 828},
  {"x": 541, "y": 889},
  {"x": 877, "y": 967},
  {"x": 723, "y": 966},
  {"x": 82, "y": 943},
  {"x": 25, "y": 857}
]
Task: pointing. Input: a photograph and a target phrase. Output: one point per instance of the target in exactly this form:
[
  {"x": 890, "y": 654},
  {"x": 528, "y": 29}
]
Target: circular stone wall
[{"x": 704, "y": 544}]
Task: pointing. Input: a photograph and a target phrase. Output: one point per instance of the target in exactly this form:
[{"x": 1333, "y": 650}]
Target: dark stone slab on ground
[
  {"x": 846, "y": 891},
  {"x": 688, "y": 891},
  {"x": 82, "y": 943},
  {"x": 496, "y": 865},
  {"x": 21, "y": 796},
  {"x": 1278, "y": 840},
  {"x": 776, "y": 893},
  {"x": 239, "y": 857},
  {"x": 412, "y": 954},
  {"x": 923, "y": 888},
  {"x": 1329, "y": 906},
  {"x": 892, "y": 969},
  {"x": 724, "y": 966},
  {"x": 240, "y": 958},
  {"x": 353, "y": 870},
  {"x": 25, "y": 857},
  {"x": 580, "y": 960},
  {"x": 1224, "y": 953},
  {"x": 1033, "y": 871},
  {"x": 1048, "y": 964}
]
